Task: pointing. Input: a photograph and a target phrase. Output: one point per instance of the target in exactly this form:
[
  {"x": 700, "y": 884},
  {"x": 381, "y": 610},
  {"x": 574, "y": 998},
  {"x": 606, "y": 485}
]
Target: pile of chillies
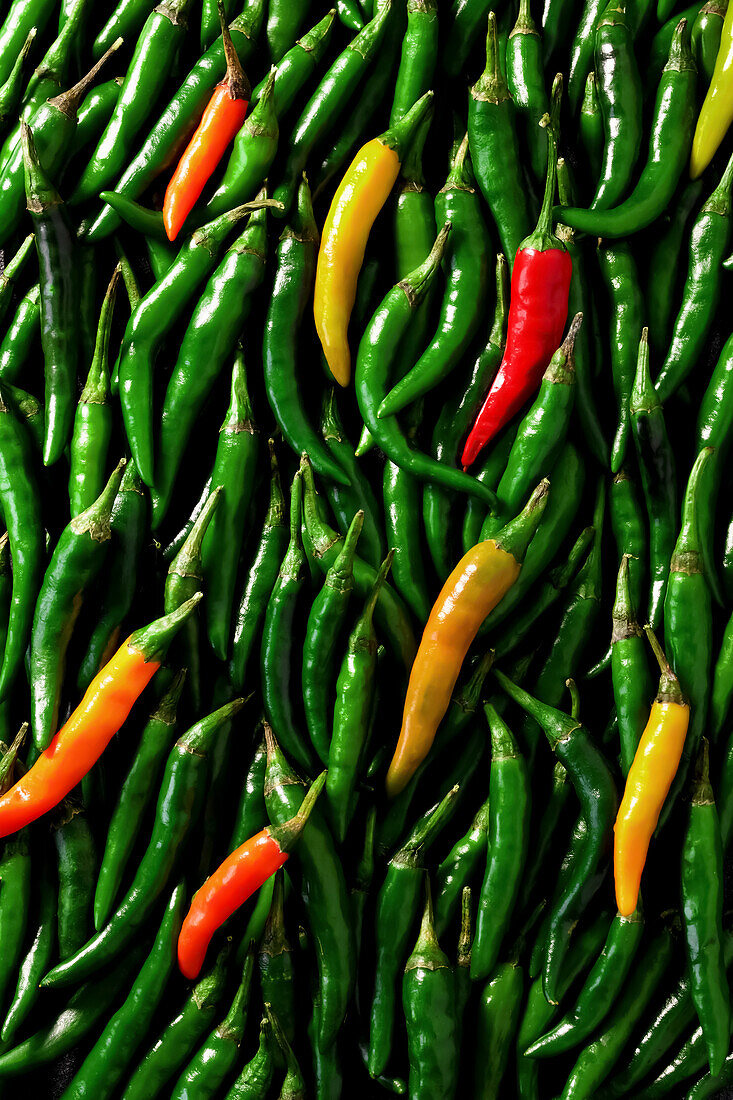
[{"x": 366, "y": 549}]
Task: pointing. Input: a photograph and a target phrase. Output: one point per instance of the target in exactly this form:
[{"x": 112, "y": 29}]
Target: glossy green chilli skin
[
  {"x": 323, "y": 640},
  {"x": 629, "y": 530},
  {"x": 709, "y": 242},
  {"x": 76, "y": 864},
  {"x": 155, "y": 51},
  {"x": 509, "y": 810},
  {"x": 403, "y": 502},
  {"x": 705, "y": 37},
  {"x": 493, "y": 141},
  {"x": 669, "y": 150},
  {"x": 278, "y": 640},
  {"x": 632, "y": 687},
  {"x": 397, "y": 912},
  {"x": 276, "y": 964},
  {"x": 590, "y": 125},
  {"x": 22, "y": 513},
  {"x": 213, "y": 1062},
  {"x": 283, "y": 23},
  {"x": 92, "y": 429},
  {"x": 664, "y": 263},
  {"x": 526, "y": 80},
  {"x": 417, "y": 59},
  {"x": 106, "y": 1064},
  {"x": 256, "y": 1077},
  {"x": 620, "y": 100},
  {"x": 581, "y": 51},
  {"x": 291, "y": 295},
  {"x": 95, "y": 112},
  {"x": 352, "y": 715},
  {"x": 12, "y": 270},
  {"x": 297, "y": 65},
  {"x": 129, "y": 525},
  {"x": 429, "y": 1004},
  {"x": 722, "y": 690},
  {"x": 179, "y": 804},
  {"x": 499, "y": 1014},
  {"x": 467, "y": 22},
  {"x": 39, "y": 953},
  {"x": 324, "y": 893},
  {"x": 177, "y": 121},
  {"x": 260, "y": 580},
  {"x": 136, "y": 794},
  {"x": 76, "y": 562},
  {"x": 182, "y": 1036},
  {"x": 234, "y": 470},
  {"x": 20, "y": 336},
  {"x": 329, "y": 101},
  {"x": 702, "y": 916},
  {"x": 621, "y": 279},
  {"x": 59, "y": 316},
  {"x": 466, "y": 292},
  {"x": 657, "y": 467},
  {"x": 15, "y": 869},
  {"x": 714, "y": 431},
  {"x": 594, "y": 785},
  {"x": 460, "y": 867},
  {"x": 601, "y": 1055}
]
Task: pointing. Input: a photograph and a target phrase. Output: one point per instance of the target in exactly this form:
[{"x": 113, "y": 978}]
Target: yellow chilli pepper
[
  {"x": 647, "y": 784},
  {"x": 716, "y": 113},
  {"x": 360, "y": 196},
  {"x": 479, "y": 581}
]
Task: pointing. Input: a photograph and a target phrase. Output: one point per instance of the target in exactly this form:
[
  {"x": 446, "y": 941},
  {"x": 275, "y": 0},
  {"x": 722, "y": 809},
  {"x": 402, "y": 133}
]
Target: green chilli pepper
[
  {"x": 297, "y": 65},
  {"x": 21, "y": 335},
  {"x": 107, "y": 1062},
  {"x": 181, "y": 1037},
  {"x": 620, "y": 100},
  {"x": 76, "y": 863},
  {"x": 418, "y": 57},
  {"x": 459, "y": 867},
  {"x": 136, "y": 793},
  {"x": 468, "y": 16},
  {"x": 495, "y": 153},
  {"x": 702, "y": 916},
  {"x": 15, "y": 875},
  {"x": 499, "y": 1013},
  {"x": 526, "y": 80},
  {"x": 581, "y": 51},
  {"x": 255, "y": 1079},
  {"x": 403, "y": 502},
  {"x": 355, "y": 689},
  {"x": 621, "y": 279},
  {"x": 209, "y": 1067},
  {"x": 705, "y": 36},
  {"x": 10, "y": 272},
  {"x": 722, "y": 690},
  {"x": 39, "y": 953},
  {"x": 632, "y": 688},
  {"x": 714, "y": 430},
  {"x": 629, "y": 531},
  {"x": 590, "y": 126},
  {"x": 92, "y": 429},
  {"x": 76, "y": 562},
  {"x": 95, "y": 112},
  {"x": 509, "y": 810},
  {"x": 260, "y": 578},
  {"x": 664, "y": 264},
  {"x": 324, "y": 893},
  {"x": 283, "y": 22},
  {"x": 489, "y": 474},
  {"x": 323, "y": 638},
  {"x": 179, "y": 803},
  {"x": 20, "y": 19},
  {"x": 276, "y": 965},
  {"x": 429, "y": 1004}
]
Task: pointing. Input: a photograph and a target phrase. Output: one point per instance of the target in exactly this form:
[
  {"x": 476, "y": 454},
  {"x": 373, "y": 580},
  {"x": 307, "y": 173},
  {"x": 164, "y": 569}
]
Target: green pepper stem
[
  {"x": 168, "y": 705},
  {"x": 465, "y": 936},
  {"x": 427, "y": 954},
  {"x": 276, "y": 508},
  {"x": 572, "y": 687},
  {"x": 644, "y": 396},
  {"x": 152, "y": 641},
  {"x": 515, "y": 537},
  {"x": 68, "y": 102},
  {"x": 491, "y": 86},
  {"x": 702, "y": 789},
  {"x": 187, "y": 562},
  {"x": 199, "y": 738},
  {"x": 686, "y": 554},
  {"x": 430, "y": 824},
  {"x": 720, "y": 200},
  {"x": 556, "y": 725},
  {"x": 400, "y": 136},
  {"x": 624, "y": 613},
  {"x": 669, "y": 686},
  {"x": 543, "y": 237},
  {"x": 286, "y": 835},
  {"x": 416, "y": 284}
]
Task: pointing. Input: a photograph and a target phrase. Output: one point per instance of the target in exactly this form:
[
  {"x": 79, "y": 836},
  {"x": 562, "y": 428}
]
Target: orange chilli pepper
[
  {"x": 81, "y": 741},
  {"x": 223, "y": 116},
  {"x": 236, "y": 879},
  {"x": 481, "y": 578},
  {"x": 647, "y": 784}
]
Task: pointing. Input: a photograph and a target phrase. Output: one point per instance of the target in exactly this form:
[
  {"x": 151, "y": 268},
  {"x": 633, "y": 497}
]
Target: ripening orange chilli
[
  {"x": 647, "y": 784},
  {"x": 235, "y": 880},
  {"x": 83, "y": 738},
  {"x": 476, "y": 585},
  {"x": 222, "y": 118}
]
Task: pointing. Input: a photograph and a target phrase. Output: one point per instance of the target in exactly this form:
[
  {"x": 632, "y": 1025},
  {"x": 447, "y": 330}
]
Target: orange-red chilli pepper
[
  {"x": 482, "y": 577},
  {"x": 647, "y": 784},
  {"x": 236, "y": 879},
  {"x": 81, "y": 741},
  {"x": 223, "y": 116}
]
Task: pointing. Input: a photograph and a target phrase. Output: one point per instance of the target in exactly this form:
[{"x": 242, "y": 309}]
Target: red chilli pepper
[
  {"x": 83, "y": 738},
  {"x": 224, "y": 114},
  {"x": 538, "y": 310},
  {"x": 236, "y": 879}
]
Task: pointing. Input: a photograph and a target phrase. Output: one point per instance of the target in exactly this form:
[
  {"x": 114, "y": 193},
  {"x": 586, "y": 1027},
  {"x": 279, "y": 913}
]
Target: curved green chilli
[
  {"x": 76, "y": 862},
  {"x": 709, "y": 240},
  {"x": 38, "y": 956},
  {"x": 208, "y": 1068},
  {"x": 284, "y": 19},
  {"x": 396, "y": 915},
  {"x": 621, "y": 279},
  {"x": 155, "y": 51},
  {"x": 136, "y": 793},
  {"x": 255, "y": 1079},
  {"x": 429, "y": 1004},
  {"x": 581, "y": 51},
  {"x": 260, "y": 578},
  {"x": 323, "y": 639},
  {"x": 233, "y": 473},
  {"x": 329, "y": 101},
  {"x": 20, "y": 336},
  {"x": 526, "y": 80},
  {"x": 291, "y": 294},
  {"x": 104, "y": 1066},
  {"x": 355, "y": 690},
  {"x": 459, "y": 867},
  {"x": 620, "y": 100},
  {"x": 596, "y": 792},
  {"x": 324, "y": 893},
  {"x": 632, "y": 688},
  {"x": 657, "y": 466},
  {"x": 714, "y": 430},
  {"x": 181, "y": 1037},
  {"x": 464, "y": 299},
  {"x": 20, "y": 19},
  {"x": 10, "y": 272},
  {"x": 493, "y": 142},
  {"x": 418, "y": 57},
  {"x": 664, "y": 265},
  {"x": 76, "y": 561},
  {"x": 509, "y": 811},
  {"x": 92, "y": 429},
  {"x": 297, "y": 65},
  {"x": 129, "y": 524},
  {"x": 94, "y": 114},
  {"x": 15, "y": 874},
  {"x": 705, "y": 36},
  {"x": 499, "y": 1014},
  {"x": 178, "y": 119},
  {"x": 179, "y": 803}
]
